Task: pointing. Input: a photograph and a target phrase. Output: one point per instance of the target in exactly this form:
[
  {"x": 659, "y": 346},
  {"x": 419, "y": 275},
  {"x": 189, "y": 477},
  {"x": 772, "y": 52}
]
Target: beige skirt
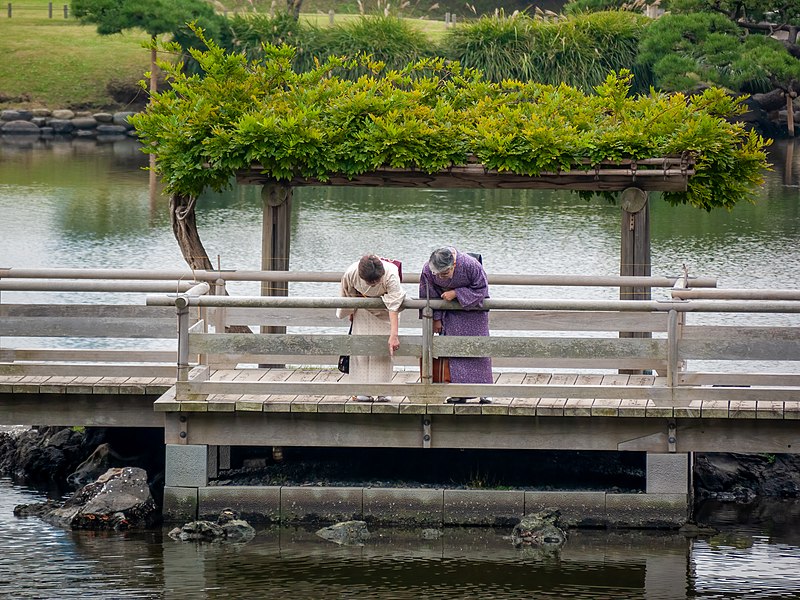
[{"x": 370, "y": 369}]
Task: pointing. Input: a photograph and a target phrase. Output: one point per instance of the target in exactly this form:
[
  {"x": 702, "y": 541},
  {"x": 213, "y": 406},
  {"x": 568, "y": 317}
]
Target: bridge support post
[
  {"x": 186, "y": 470},
  {"x": 668, "y": 474}
]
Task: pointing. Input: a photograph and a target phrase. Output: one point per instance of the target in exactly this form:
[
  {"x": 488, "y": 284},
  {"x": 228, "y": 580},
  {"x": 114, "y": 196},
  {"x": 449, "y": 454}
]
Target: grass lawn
[{"x": 58, "y": 63}]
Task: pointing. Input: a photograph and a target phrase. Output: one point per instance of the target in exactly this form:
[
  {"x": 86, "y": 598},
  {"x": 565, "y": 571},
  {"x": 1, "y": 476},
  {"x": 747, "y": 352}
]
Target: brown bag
[{"x": 441, "y": 370}]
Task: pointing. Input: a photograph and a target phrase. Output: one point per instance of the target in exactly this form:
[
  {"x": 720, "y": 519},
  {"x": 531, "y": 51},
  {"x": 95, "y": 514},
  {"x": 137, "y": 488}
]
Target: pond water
[
  {"x": 754, "y": 555},
  {"x": 78, "y": 204}
]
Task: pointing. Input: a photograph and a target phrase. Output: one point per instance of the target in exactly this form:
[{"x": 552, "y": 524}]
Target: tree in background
[
  {"x": 758, "y": 16},
  {"x": 689, "y": 51},
  {"x": 156, "y": 17}
]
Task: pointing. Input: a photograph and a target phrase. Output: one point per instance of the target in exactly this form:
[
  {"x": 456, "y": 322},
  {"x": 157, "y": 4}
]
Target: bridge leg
[
  {"x": 187, "y": 470},
  {"x": 668, "y": 473},
  {"x": 669, "y": 483}
]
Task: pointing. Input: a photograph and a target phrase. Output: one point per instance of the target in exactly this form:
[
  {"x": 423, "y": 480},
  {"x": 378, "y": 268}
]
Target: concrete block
[
  {"x": 186, "y": 465},
  {"x": 180, "y": 504},
  {"x": 652, "y": 511},
  {"x": 667, "y": 473},
  {"x": 402, "y": 506},
  {"x": 500, "y": 508},
  {"x": 578, "y": 509},
  {"x": 321, "y": 504},
  {"x": 255, "y": 504}
]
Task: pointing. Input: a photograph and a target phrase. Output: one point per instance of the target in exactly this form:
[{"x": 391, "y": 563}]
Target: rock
[
  {"x": 119, "y": 499},
  {"x": 63, "y": 114},
  {"x": 61, "y": 125},
  {"x": 229, "y": 527},
  {"x": 121, "y": 118},
  {"x": 541, "y": 530},
  {"x": 41, "y": 112},
  {"x": 20, "y": 128},
  {"x": 15, "y": 115},
  {"x": 84, "y": 122},
  {"x": 103, "y": 117},
  {"x": 346, "y": 533},
  {"x": 742, "y": 477},
  {"x": 431, "y": 534}
]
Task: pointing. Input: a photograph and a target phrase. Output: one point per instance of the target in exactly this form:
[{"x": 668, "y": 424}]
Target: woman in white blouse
[{"x": 373, "y": 277}]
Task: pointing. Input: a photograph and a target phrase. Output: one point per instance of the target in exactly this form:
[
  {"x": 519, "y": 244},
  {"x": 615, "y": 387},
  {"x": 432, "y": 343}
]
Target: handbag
[
  {"x": 344, "y": 360},
  {"x": 441, "y": 370}
]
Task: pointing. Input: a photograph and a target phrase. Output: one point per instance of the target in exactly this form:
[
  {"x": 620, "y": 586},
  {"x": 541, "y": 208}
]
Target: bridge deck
[
  {"x": 551, "y": 407},
  {"x": 73, "y": 384}
]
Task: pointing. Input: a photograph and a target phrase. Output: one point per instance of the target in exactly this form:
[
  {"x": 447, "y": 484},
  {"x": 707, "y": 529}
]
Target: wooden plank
[
  {"x": 277, "y": 403},
  {"x": 735, "y": 349},
  {"x": 561, "y": 320},
  {"x": 105, "y": 355},
  {"x": 740, "y": 378},
  {"x": 740, "y": 333},
  {"x": 714, "y": 409},
  {"x": 634, "y": 408},
  {"x": 86, "y": 370},
  {"x": 469, "y": 177},
  {"x": 551, "y": 347},
  {"x": 93, "y": 327},
  {"x": 766, "y": 409},
  {"x": 742, "y": 409},
  {"x": 67, "y": 311},
  {"x": 554, "y": 407}
]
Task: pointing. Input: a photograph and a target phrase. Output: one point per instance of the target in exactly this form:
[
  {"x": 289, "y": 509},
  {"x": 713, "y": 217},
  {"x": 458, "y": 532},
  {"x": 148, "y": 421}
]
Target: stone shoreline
[{"x": 46, "y": 123}]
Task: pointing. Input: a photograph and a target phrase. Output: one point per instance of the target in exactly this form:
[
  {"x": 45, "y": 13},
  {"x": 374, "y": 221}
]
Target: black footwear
[
  {"x": 456, "y": 400},
  {"x": 485, "y": 400}
]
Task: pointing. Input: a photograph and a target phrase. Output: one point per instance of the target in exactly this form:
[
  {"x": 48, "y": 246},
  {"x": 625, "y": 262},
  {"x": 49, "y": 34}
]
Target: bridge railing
[
  {"x": 97, "y": 326},
  {"x": 535, "y": 335}
]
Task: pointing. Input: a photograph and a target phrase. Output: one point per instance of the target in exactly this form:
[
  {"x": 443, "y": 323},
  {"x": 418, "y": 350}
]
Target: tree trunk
[
  {"x": 184, "y": 227},
  {"x": 293, "y": 8}
]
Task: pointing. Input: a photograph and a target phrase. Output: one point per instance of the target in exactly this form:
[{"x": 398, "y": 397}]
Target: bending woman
[
  {"x": 371, "y": 277},
  {"x": 453, "y": 275}
]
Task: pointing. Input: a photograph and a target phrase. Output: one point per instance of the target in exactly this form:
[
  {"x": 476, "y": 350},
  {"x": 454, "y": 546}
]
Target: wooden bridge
[{"x": 699, "y": 369}]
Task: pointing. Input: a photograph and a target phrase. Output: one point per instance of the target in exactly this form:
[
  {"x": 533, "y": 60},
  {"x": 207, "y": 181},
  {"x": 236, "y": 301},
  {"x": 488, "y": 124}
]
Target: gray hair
[{"x": 441, "y": 260}]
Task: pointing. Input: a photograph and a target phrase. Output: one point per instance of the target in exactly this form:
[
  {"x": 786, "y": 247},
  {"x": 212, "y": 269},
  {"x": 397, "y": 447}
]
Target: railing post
[
  {"x": 426, "y": 363},
  {"x": 672, "y": 350},
  {"x": 9, "y": 10},
  {"x": 66, "y": 11},
  {"x": 49, "y": 10},
  {"x": 182, "y": 305}
]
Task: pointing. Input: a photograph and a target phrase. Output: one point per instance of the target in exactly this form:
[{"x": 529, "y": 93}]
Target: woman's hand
[
  {"x": 394, "y": 344},
  {"x": 449, "y": 295},
  {"x": 437, "y": 326}
]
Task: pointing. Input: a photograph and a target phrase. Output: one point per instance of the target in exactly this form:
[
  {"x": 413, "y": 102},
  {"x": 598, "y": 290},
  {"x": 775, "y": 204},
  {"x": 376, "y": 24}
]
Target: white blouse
[{"x": 388, "y": 289}]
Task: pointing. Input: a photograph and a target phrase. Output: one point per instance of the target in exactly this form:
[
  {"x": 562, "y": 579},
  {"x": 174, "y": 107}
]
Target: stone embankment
[{"x": 45, "y": 123}]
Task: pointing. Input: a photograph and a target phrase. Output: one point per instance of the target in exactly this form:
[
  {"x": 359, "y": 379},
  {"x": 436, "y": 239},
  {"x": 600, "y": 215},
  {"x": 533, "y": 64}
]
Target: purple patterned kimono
[{"x": 471, "y": 287}]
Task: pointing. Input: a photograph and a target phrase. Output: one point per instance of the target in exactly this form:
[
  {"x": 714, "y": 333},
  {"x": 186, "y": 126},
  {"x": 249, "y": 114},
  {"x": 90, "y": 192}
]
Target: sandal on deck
[
  {"x": 456, "y": 400},
  {"x": 361, "y": 398},
  {"x": 383, "y": 399}
]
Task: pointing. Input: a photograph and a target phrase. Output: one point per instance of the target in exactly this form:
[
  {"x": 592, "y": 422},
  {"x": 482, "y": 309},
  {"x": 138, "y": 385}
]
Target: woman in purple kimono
[{"x": 453, "y": 275}]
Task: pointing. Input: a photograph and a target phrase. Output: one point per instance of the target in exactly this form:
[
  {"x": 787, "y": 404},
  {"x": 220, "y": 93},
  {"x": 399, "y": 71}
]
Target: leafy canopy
[
  {"x": 685, "y": 51},
  {"x": 156, "y": 17},
  {"x": 429, "y": 115}
]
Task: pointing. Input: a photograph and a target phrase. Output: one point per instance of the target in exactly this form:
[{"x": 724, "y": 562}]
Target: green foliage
[
  {"x": 251, "y": 31},
  {"x": 156, "y": 17},
  {"x": 685, "y": 51},
  {"x": 576, "y": 7},
  {"x": 388, "y": 39},
  {"x": 779, "y": 12},
  {"x": 428, "y": 116},
  {"x": 579, "y": 51}
]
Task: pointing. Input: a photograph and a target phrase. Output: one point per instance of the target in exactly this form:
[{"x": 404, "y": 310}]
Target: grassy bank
[{"x": 58, "y": 63}]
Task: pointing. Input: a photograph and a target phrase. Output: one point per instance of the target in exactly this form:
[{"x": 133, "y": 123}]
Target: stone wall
[{"x": 42, "y": 122}]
